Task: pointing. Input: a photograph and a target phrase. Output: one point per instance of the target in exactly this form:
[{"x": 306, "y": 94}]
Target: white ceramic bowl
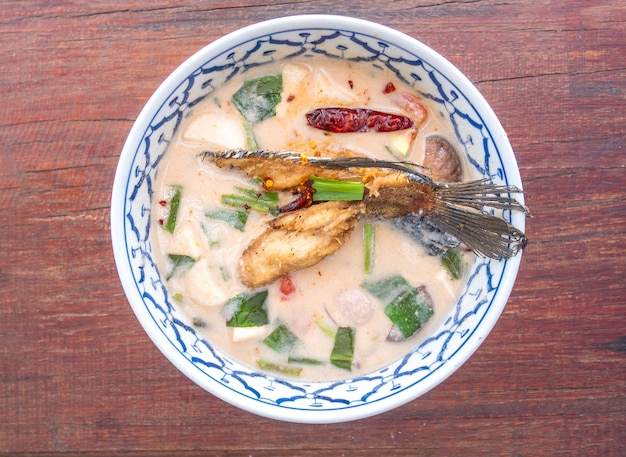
[{"x": 444, "y": 351}]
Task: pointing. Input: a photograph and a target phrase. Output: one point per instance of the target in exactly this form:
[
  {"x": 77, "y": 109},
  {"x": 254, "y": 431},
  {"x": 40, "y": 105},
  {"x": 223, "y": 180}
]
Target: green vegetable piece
[
  {"x": 234, "y": 218},
  {"x": 174, "y": 204},
  {"x": 247, "y": 310},
  {"x": 281, "y": 339},
  {"x": 251, "y": 141},
  {"x": 179, "y": 264},
  {"x": 403, "y": 304},
  {"x": 198, "y": 323},
  {"x": 254, "y": 200},
  {"x": 264, "y": 196},
  {"x": 272, "y": 366},
  {"x": 257, "y": 98},
  {"x": 304, "y": 361},
  {"x": 325, "y": 326},
  {"x": 452, "y": 261},
  {"x": 343, "y": 350},
  {"x": 369, "y": 242},
  {"x": 332, "y": 189}
]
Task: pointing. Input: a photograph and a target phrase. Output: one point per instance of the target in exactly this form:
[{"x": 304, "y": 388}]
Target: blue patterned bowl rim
[{"x": 485, "y": 144}]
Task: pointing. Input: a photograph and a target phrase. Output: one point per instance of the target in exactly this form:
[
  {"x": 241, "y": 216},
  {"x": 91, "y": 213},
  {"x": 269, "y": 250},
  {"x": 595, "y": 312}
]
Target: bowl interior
[{"x": 484, "y": 144}]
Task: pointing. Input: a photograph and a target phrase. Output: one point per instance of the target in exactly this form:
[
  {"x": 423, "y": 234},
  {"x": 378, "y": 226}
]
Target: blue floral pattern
[{"x": 217, "y": 368}]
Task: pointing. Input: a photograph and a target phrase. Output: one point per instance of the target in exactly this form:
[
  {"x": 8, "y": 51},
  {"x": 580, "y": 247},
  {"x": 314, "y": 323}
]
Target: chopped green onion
[
  {"x": 281, "y": 339},
  {"x": 369, "y": 240},
  {"x": 332, "y": 189},
  {"x": 179, "y": 264},
  {"x": 404, "y": 306},
  {"x": 343, "y": 350},
  {"x": 452, "y": 261},
  {"x": 305, "y": 361},
  {"x": 324, "y": 326},
  {"x": 246, "y": 310},
  {"x": 234, "y": 218},
  {"x": 261, "y": 195},
  {"x": 245, "y": 202},
  {"x": 174, "y": 204},
  {"x": 272, "y": 366},
  {"x": 251, "y": 141}
]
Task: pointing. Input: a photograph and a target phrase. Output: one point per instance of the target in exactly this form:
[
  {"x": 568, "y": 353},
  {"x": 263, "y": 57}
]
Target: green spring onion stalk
[
  {"x": 234, "y": 218},
  {"x": 331, "y": 189},
  {"x": 304, "y": 361},
  {"x": 369, "y": 240},
  {"x": 325, "y": 326},
  {"x": 253, "y": 199},
  {"x": 174, "y": 204},
  {"x": 278, "y": 368}
]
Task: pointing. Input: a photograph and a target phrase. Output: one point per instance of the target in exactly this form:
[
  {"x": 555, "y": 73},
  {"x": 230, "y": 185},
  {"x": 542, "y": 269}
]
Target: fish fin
[{"x": 462, "y": 210}]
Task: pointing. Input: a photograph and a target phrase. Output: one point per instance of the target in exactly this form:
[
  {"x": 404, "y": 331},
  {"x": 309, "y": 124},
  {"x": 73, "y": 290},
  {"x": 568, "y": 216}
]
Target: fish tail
[{"x": 466, "y": 211}]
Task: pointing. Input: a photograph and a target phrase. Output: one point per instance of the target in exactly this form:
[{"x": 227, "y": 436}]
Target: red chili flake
[
  {"x": 163, "y": 202},
  {"x": 389, "y": 88},
  {"x": 346, "y": 120},
  {"x": 287, "y": 287},
  {"x": 290, "y": 97},
  {"x": 351, "y": 84},
  {"x": 246, "y": 206},
  {"x": 161, "y": 221}
]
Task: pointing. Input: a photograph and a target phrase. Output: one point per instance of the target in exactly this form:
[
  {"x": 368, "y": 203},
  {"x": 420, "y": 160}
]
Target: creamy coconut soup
[{"x": 343, "y": 316}]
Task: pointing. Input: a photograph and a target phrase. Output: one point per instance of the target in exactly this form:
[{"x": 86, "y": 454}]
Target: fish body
[{"x": 398, "y": 191}]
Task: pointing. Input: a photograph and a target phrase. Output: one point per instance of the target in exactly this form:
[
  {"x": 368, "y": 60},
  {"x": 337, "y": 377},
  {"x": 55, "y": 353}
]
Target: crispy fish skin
[
  {"x": 289, "y": 175},
  {"x": 284, "y": 175},
  {"x": 298, "y": 240}
]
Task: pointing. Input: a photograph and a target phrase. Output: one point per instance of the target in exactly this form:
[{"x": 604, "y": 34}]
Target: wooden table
[{"x": 80, "y": 376}]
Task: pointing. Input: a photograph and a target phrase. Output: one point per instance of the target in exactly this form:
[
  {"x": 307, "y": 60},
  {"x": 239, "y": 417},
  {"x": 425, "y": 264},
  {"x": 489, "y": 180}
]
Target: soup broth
[{"x": 198, "y": 256}]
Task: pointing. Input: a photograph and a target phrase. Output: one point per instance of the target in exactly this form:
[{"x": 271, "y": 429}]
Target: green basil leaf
[
  {"x": 343, "y": 350},
  {"x": 452, "y": 261},
  {"x": 404, "y": 306},
  {"x": 247, "y": 310},
  {"x": 174, "y": 204},
  {"x": 257, "y": 98},
  {"x": 179, "y": 264},
  {"x": 281, "y": 339}
]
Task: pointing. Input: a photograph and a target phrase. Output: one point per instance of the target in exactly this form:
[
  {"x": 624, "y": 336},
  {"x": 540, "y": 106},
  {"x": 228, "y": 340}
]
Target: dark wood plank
[{"x": 80, "y": 377}]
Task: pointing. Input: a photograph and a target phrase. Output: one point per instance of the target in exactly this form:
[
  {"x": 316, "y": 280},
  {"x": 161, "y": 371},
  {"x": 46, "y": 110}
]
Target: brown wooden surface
[{"x": 80, "y": 376}]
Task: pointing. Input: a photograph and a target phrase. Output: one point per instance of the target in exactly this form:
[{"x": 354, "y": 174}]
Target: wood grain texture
[{"x": 79, "y": 375}]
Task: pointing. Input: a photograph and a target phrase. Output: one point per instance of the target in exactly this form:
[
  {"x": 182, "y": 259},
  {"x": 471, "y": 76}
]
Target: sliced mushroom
[{"x": 442, "y": 160}]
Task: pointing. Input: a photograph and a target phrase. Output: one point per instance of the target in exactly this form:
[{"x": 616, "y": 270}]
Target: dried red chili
[
  {"x": 346, "y": 120},
  {"x": 303, "y": 200}
]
